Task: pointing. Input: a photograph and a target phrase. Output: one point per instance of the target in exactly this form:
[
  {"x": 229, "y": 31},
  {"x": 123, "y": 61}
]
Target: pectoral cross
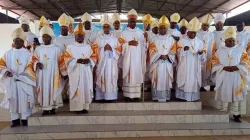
[
  {"x": 163, "y": 46},
  {"x": 84, "y": 56},
  {"x": 18, "y": 64},
  {"x": 229, "y": 58},
  {"x": 46, "y": 59}
]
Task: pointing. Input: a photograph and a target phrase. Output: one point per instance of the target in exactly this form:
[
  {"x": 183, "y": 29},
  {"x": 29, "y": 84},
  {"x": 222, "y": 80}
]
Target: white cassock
[
  {"x": 29, "y": 38},
  {"x": 219, "y": 39},
  {"x": 174, "y": 32},
  {"x": 107, "y": 68},
  {"x": 209, "y": 43},
  {"x": 117, "y": 33},
  {"x": 189, "y": 69},
  {"x": 63, "y": 41},
  {"x": 230, "y": 86},
  {"x": 243, "y": 40},
  {"x": 19, "y": 95},
  {"x": 134, "y": 62},
  {"x": 49, "y": 80},
  {"x": 80, "y": 76},
  {"x": 90, "y": 37},
  {"x": 161, "y": 71}
]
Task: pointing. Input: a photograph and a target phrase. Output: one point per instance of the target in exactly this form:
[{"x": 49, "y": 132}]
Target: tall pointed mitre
[
  {"x": 175, "y": 17},
  {"x": 24, "y": 19},
  {"x": 86, "y": 17},
  {"x": 183, "y": 23},
  {"x": 71, "y": 20},
  {"x": 219, "y": 18},
  {"x": 18, "y": 33},
  {"x": 147, "y": 19},
  {"x": 105, "y": 20},
  {"x": 64, "y": 20},
  {"x": 43, "y": 22},
  {"x": 46, "y": 30},
  {"x": 194, "y": 25},
  {"x": 154, "y": 23},
  {"x": 116, "y": 17},
  {"x": 79, "y": 29},
  {"x": 163, "y": 21},
  {"x": 132, "y": 14},
  {"x": 207, "y": 19},
  {"x": 230, "y": 32}
]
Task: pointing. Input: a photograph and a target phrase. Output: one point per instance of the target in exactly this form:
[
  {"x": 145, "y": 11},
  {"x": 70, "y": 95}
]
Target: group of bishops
[{"x": 45, "y": 69}]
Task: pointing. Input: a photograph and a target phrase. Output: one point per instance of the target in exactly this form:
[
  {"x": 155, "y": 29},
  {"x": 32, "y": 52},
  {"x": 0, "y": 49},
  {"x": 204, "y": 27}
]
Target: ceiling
[{"x": 52, "y": 9}]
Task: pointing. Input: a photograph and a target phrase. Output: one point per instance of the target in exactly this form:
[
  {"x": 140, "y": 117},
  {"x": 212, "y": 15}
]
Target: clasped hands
[
  {"x": 230, "y": 68},
  {"x": 165, "y": 57},
  {"x": 186, "y": 48}
]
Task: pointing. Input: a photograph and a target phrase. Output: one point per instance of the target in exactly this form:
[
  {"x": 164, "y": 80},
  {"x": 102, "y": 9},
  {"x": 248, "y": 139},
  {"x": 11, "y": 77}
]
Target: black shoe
[
  {"x": 212, "y": 88},
  {"x": 84, "y": 111},
  {"x": 155, "y": 100},
  {"x": 109, "y": 101},
  {"x": 24, "y": 122},
  {"x": 240, "y": 116},
  {"x": 15, "y": 123},
  {"x": 45, "y": 112},
  {"x": 202, "y": 89},
  {"x": 127, "y": 99},
  {"x": 237, "y": 118},
  {"x": 78, "y": 112},
  {"x": 136, "y": 99},
  {"x": 52, "y": 112}
]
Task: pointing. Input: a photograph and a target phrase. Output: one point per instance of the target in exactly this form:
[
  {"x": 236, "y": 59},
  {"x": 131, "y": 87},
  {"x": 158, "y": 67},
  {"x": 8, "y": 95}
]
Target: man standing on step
[
  {"x": 133, "y": 49},
  {"x": 106, "y": 58},
  {"x": 18, "y": 80},
  {"x": 25, "y": 21},
  {"x": 62, "y": 41},
  {"x": 49, "y": 65},
  {"x": 231, "y": 66},
  {"x": 208, "y": 40},
  {"x": 191, "y": 56},
  {"x": 162, "y": 52},
  {"x": 79, "y": 69}
]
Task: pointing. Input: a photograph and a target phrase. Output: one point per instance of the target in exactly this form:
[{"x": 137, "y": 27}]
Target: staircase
[{"x": 122, "y": 120}]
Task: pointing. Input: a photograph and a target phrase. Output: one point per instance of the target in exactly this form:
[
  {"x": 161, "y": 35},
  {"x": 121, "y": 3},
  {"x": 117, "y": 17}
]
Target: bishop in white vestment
[
  {"x": 133, "y": 51},
  {"x": 219, "y": 21},
  {"x": 49, "y": 66},
  {"x": 105, "y": 47},
  {"x": 162, "y": 52},
  {"x": 183, "y": 28},
  {"x": 243, "y": 37},
  {"x": 172, "y": 31},
  {"x": 25, "y": 21},
  {"x": 64, "y": 38},
  {"x": 191, "y": 57},
  {"x": 79, "y": 69},
  {"x": 90, "y": 35},
  {"x": 207, "y": 38},
  {"x": 18, "y": 80},
  {"x": 231, "y": 66}
]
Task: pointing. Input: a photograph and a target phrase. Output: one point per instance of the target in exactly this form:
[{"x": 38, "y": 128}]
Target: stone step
[
  {"x": 207, "y": 115},
  {"x": 147, "y": 106},
  {"x": 123, "y": 131}
]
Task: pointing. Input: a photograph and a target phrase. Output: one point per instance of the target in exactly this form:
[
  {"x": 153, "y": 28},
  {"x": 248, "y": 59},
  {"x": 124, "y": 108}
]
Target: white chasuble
[
  {"x": 107, "y": 67},
  {"x": 161, "y": 71},
  {"x": 63, "y": 41},
  {"x": 219, "y": 39},
  {"x": 19, "y": 89},
  {"x": 80, "y": 76},
  {"x": 90, "y": 37},
  {"x": 189, "y": 69},
  {"x": 230, "y": 86},
  {"x": 133, "y": 62},
  {"x": 208, "y": 39},
  {"x": 49, "y": 79}
]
